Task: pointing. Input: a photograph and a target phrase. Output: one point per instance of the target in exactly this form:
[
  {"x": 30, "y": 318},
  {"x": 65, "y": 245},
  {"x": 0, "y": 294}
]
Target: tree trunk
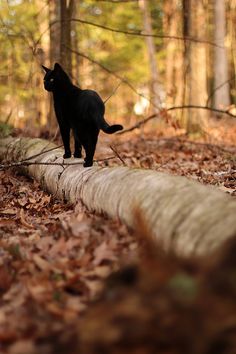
[
  {"x": 154, "y": 75},
  {"x": 170, "y": 26},
  {"x": 232, "y": 41},
  {"x": 60, "y": 13},
  {"x": 195, "y": 63},
  {"x": 66, "y": 11},
  {"x": 42, "y": 58},
  {"x": 55, "y": 29},
  {"x": 221, "y": 84},
  {"x": 182, "y": 215},
  {"x": 54, "y": 16},
  {"x": 174, "y": 73},
  {"x": 75, "y": 46}
]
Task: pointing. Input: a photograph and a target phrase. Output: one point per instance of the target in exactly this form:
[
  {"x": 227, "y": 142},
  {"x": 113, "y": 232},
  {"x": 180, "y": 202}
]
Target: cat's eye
[{"x": 51, "y": 80}]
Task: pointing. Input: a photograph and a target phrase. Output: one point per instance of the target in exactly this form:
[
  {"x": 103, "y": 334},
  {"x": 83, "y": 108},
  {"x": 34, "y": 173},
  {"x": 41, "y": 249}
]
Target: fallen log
[{"x": 182, "y": 215}]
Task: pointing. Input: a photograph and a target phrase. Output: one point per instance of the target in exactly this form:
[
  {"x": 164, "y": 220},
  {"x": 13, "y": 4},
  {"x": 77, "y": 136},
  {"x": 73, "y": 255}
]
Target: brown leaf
[
  {"x": 22, "y": 347},
  {"x": 41, "y": 263},
  {"x": 103, "y": 252},
  {"x": 32, "y": 200},
  {"x": 9, "y": 211},
  {"x": 59, "y": 247},
  {"x": 23, "y": 220},
  {"x": 5, "y": 278}
]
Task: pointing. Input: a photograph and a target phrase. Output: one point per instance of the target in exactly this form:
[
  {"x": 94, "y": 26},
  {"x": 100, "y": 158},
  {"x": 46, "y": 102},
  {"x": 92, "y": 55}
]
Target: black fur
[{"x": 81, "y": 111}]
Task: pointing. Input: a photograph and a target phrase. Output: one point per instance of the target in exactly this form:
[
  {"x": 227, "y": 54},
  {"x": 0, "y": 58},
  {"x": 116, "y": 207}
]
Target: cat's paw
[
  {"x": 67, "y": 155},
  {"x": 77, "y": 154},
  {"x": 88, "y": 163}
]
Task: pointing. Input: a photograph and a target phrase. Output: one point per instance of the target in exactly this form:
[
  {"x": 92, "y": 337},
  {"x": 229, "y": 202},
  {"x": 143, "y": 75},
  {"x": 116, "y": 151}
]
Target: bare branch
[
  {"x": 138, "y": 32},
  {"x": 147, "y": 119},
  {"x": 138, "y": 125},
  {"x": 202, "y": 107},
  {"x": 114, "y": 91},
  {"x": 117, "y": 154},
  {"x": 123, "y": 80},
  {"x": 41, "y": 153},
  {"x": 218, "y": 88},
  {"x": 62, "y": 164}
]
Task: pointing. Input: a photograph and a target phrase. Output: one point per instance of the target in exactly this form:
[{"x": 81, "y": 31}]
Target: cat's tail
[{"x": 110, "y": 129}]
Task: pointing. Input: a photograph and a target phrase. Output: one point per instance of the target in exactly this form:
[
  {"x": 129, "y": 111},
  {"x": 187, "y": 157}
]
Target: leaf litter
[{"x": 76, "y": 282}]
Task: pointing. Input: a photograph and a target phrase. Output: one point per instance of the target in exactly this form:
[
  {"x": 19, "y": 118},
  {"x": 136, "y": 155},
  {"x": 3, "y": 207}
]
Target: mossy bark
[{"x": 182, "y": 215}]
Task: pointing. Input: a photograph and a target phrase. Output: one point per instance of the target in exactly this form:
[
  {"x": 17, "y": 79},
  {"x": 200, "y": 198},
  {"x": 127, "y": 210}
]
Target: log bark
[{"x": 182, "y": 215}]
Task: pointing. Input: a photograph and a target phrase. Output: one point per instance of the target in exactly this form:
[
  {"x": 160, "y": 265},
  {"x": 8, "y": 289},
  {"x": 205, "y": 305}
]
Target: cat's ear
[
  {"x": 45, "y": 69},
  {"x": 57, "y": 67}
]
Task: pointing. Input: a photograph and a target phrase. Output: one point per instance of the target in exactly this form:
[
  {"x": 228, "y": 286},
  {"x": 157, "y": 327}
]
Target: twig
[
  {"x": 8, "y": 117},
  {"x": 29, "y": 163},
  {"x": 40, "y": 153},
  {"x": 201, "y": 107},
  {"x": 147, "y": 119},
  {"x": 117, "y": 154},
  {"x": 139, "y": 124},
  {"x": 218, "y": 88},
  {"x": 55, "y": 135},
  {"x": 138, "y": 32},
  {"x": 106, "y": 159},
  {"x": 114, "y": 91},
  {"x": 122, "y": 79}
]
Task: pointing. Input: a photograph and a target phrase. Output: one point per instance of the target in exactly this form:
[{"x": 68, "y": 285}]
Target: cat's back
[
  {"x": 90, "y": 100},
  {"x": 90, "y": 95}
]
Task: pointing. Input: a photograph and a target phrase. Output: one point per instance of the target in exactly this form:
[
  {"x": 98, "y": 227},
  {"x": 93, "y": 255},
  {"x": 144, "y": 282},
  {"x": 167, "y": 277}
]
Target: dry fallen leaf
[
  {"x": 103, "y": 253},
  {"x": 26, "y": 346},
  {"x": 41, "y": 263},
  {"x": 228, "y": 190},
  {"x": 9, "y": 211},
  {"x": 23, "y": 219}
]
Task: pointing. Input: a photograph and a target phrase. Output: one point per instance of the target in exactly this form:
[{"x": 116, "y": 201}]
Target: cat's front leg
[
  {"x": 78, "y": 147},
  {"x": 65, "y": 134}
]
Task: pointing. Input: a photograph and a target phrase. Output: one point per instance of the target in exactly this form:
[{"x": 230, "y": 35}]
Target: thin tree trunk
[
  {"x": 75, "y": 45},
  {"x": 60, "y": 13},
  {"x": 221, "y": 96},
  {"x": 196, "y": 64},
  {"x": 182, "y": 215},
  {"x": 66, "y": 11},
  {"x": 54, "y": 16},
  {"x": 170, "y": 26},
  {"x": 42, "y": 57},
  {"x": 232, "y": 40},
  {"x": 174, "y": 57},
  {"x": 155, "y": 86}
]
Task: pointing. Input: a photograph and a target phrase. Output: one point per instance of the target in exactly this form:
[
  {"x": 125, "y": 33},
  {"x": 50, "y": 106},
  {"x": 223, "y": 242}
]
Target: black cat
[{"x": 81, "y": 111}]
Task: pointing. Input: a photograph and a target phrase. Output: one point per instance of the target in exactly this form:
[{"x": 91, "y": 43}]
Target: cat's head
[{"x": 55, "y": 79}]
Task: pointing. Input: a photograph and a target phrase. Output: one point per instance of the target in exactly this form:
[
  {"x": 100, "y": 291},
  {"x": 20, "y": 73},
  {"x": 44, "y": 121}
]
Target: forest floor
[{"x": 61, "y": 287}]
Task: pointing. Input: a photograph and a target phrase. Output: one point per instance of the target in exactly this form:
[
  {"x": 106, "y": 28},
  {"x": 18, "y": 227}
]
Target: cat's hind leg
[{"x": 90, "y": 146}]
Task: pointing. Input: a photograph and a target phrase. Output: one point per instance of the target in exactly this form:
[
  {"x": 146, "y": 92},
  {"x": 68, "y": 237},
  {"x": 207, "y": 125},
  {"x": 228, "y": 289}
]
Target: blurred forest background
[{"x": 142, "y": 56}]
